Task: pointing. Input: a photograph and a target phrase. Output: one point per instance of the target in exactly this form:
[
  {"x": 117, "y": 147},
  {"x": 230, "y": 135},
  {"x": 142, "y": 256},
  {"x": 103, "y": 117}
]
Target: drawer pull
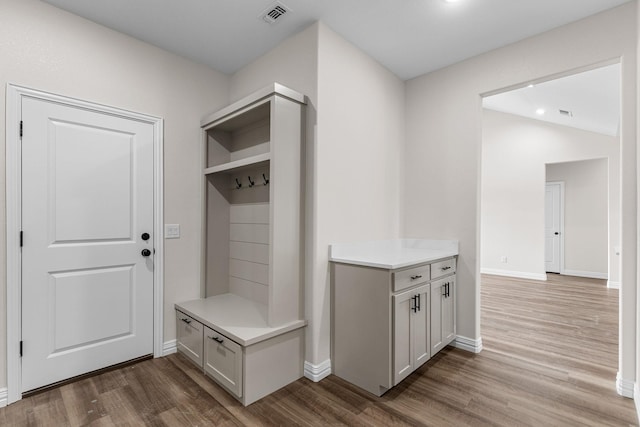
[
  {"x": 187, "y": 321},
  {"x": 446, "y": 268},
  {"x": 419, "y": 276},
  {"x": 217, "y": 339}
]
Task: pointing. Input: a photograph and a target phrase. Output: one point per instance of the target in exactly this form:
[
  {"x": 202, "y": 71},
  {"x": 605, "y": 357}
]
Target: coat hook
[
  {"x": 266, "y": 181},
  {"x": 238, "y": 183},
  {"x": 251, "y": 183}
]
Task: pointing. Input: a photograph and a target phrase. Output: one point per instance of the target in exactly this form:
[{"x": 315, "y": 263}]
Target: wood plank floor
[{"x": 549, "y": 359}]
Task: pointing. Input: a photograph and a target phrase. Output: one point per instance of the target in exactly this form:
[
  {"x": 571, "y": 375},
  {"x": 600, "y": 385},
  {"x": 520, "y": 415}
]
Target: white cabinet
[
  {"x": 251, "y": 311},
  {"x": 223, "y": 360},
  {"x": 443, "y": 313},
  {"x": 411, "y": 330},
  {"x": 189, "y": 337},
  {"x": 388, "y": 322}
]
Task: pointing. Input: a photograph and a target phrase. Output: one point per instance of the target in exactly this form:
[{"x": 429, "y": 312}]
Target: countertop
[{"x": 392, "y": 254}]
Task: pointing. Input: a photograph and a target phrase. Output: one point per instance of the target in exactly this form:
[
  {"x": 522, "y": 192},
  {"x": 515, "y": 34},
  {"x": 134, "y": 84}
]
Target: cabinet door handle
[
  {"x": 447, "y": 295},
  {"x": 415, "y": 304},
  {"x": 187, "y": 321},
  {"x": 444, "y": 290},
  {"x": 217, "y": 339},
  {"x": 418, "y": 299},
  {"x": 416, "y": 277}
]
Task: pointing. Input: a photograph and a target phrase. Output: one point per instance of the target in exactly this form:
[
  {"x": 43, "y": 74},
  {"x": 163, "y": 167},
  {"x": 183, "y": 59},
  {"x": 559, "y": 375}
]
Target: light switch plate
[{"x": 172, "y": 231}]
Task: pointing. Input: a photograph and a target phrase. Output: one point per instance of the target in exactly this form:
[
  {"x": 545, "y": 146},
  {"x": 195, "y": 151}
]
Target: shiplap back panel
[{"x": 249, "y": 251}]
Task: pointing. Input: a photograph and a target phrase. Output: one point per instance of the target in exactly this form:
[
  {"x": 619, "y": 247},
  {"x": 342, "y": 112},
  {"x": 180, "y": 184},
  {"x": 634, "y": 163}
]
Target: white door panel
[
  {"x": 87, "y": 196},
  {"x": 552, "y": 221}
]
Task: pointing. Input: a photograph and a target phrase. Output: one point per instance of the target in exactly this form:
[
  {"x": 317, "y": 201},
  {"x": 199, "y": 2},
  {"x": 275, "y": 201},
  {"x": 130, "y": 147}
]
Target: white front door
[
  {"x": 87, "y": 199},
  {"x": 552, "y": 227}
]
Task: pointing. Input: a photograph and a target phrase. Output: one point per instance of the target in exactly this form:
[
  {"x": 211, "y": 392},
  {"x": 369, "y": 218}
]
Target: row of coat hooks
[{"x": 252, "y": 183}]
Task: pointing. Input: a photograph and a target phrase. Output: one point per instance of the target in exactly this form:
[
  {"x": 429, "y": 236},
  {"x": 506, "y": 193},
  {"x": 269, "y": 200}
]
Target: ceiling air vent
[
  {"x": 565, "y": 113},
  {"x": 274, "y": 12}
]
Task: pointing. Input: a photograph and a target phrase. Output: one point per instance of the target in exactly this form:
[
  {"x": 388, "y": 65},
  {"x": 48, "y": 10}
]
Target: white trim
[
  {"x": 588, "y": 274},
  {"x": 169, "y": 347},
  {"x": 636, "y": 398},
  {"x": 4, "y": 397},
  {"x": 14, "y": 224},
  {"x": 467, "y": 344},
  {"x": 14, "y": 214},
  {"x": 624, "y": 387},
  {"x": 317, "y": 372},
  {"x": 613, "y": 285},
  {"x": 158, "y": 243},
  {"x": 516, "y": 274}
]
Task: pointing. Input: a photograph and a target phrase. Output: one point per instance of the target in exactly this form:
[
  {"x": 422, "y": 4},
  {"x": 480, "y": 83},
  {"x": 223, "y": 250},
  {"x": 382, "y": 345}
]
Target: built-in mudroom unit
[{"x": 247, "y": 332}]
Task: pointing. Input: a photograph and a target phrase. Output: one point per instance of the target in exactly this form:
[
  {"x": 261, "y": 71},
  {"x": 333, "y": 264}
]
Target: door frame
[
  {"x": 15, "y": 94},
  {"x": 561, "y": 222}
]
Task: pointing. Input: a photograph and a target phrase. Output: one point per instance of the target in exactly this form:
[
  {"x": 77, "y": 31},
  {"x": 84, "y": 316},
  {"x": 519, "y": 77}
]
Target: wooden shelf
[{"x": 239, "y": 164}]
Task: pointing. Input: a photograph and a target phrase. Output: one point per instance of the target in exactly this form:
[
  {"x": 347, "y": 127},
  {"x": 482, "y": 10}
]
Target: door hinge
[
  {"x": 21, "y": 240},
  {"x": 20, "y": 348},
  {"x": 20, "y": 128}
]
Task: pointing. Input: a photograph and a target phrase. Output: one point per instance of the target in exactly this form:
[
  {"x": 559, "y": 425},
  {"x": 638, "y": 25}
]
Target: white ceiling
[
  {"x": 410, "y": 37},
  {"x": 592, "y": 97}
]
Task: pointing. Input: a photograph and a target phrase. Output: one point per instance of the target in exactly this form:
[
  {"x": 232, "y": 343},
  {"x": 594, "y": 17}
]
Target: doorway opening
[{"x": 560, "y": 130}]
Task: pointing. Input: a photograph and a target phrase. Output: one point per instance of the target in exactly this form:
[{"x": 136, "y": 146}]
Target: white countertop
[
  {"x": 392, "y": 254},
  {"x": 240, "y": 319}
]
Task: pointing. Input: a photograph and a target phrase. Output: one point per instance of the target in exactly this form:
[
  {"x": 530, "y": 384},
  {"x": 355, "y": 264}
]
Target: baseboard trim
[
  {"x": 468, "y": 344},
  {"x": 317, "y": 372},
  {"x": 624, "y": 387},
  {"x": 518, "y": 274},
  {"x": 4, "y": 397},
  {"x": 587, "y": 274},
  {"x": 169, "y": 347},
  {"x": 613, "y": 285}
]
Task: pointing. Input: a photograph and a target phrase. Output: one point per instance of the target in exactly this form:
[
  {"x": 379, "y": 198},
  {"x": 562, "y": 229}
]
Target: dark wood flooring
[{"x": 549, "y": 359}]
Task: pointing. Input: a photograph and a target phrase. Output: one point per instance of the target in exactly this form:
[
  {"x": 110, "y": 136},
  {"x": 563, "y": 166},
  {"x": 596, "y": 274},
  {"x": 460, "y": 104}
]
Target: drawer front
[
  {"x": 442, "y": 268},
  {"x": 189, "y": 337},
  {"x": 407, "y": 278},
  {"x": 223, "y": 360}
]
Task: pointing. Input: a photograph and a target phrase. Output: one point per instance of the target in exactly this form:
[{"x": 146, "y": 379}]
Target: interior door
[
  {"x": 87, "y": 269},
  {"x": 552, "y": 224}
]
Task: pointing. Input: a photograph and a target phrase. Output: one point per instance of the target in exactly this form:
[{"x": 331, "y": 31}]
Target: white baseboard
[
  {"x": 588, "y": 274},
  {"x": 624, "y": 387},
  {"x": 517, "y": 274},
  {"x": 317, "y": 372},
  {"x": 169, "y": 347},
  {"x": 613, "y": 285},
  {"x": 468, "y": 344},
  {"x": 4, "y": 397}
]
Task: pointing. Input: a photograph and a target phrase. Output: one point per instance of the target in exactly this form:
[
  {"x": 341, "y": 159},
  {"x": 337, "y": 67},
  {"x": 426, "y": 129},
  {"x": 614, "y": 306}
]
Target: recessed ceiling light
[
  {"x": 531, "y": 85},
  {"x": 540, "y": 111}
]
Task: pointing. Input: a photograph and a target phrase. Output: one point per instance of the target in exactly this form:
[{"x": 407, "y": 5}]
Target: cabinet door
[
  {"x": 449, "y": 312},
  {"x": 189, "y": 337},
  {"x": 403, "y": 308},
  {"x": 421, "y": 327},
  {"x": 442, "y": 313},
  {"x": 223, "y": 360}
]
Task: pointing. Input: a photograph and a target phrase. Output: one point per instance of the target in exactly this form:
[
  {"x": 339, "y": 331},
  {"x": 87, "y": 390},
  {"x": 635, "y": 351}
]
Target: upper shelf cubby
[{"x": 239, "y": 136}]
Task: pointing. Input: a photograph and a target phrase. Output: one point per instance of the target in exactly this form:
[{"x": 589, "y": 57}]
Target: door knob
[
  {"x": 146, "y": 252},
  {"x": 145, "y": 236},
  {"x": 556, "y": 233}
]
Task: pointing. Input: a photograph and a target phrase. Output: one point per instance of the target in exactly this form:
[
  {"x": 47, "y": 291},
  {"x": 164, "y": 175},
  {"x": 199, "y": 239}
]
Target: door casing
[{"x": 15, "y": 94}]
